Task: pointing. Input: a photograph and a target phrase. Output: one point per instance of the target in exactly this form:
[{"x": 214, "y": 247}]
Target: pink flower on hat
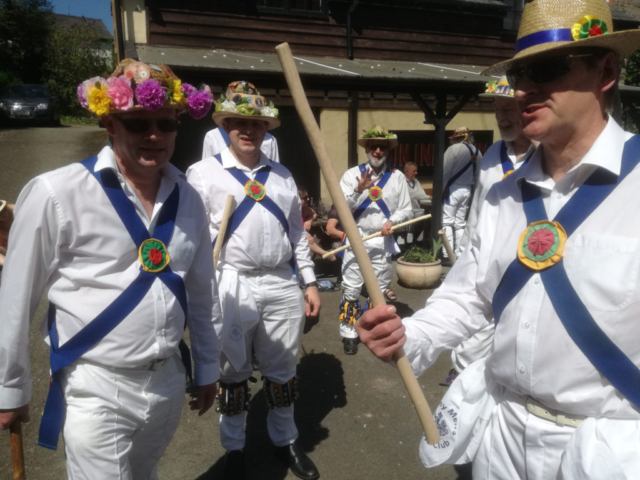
[{"x": 120, "y": 92}]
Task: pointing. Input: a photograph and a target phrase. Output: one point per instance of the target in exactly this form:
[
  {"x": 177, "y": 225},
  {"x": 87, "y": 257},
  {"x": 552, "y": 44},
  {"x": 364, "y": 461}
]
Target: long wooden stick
[
  {"x": 228, "y": 210},
  {"x": 377, "y": 234},
  {"x": 447, "y": 246},
  {"x": 349, "y": 224},
  {"x": 17, "y": 452}
]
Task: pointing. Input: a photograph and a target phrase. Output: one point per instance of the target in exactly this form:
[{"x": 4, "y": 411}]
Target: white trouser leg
[
  {"x": 276, "y": 339},
  {"x": 351, "y": 277},
  {"x": 119, "y": 422},
  {"x": 461, "y": 196},
  {"x": 474, "y": 348},
  {"x": 448, "y": 218}
]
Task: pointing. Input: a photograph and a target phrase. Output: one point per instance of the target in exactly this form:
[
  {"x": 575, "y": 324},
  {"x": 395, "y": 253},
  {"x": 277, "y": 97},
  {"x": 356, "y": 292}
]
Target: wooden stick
[
  {"x": 349, "y": 224},
  {"x": 17, "y": 452},
  {"x": 447, "y": 246},
  {"x": 374, "y": 235},
  {"x": 228, "y": 210}
]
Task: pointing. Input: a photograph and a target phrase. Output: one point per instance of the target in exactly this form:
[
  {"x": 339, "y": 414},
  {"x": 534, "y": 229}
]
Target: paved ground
[{"x": 354, "y": 416}]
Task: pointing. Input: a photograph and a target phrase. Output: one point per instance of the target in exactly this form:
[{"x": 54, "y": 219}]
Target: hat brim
[
  {"x": 219, "y": 117},
  {"x": 495, "y": 95},
  {"x": 622, "y": 43},
  {"x": 392, "y": 142},
  {"x": 180, "y": 109}
]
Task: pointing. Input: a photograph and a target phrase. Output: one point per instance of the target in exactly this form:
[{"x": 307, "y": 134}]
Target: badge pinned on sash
[
  {"x": 153, "y": 255},
  {"x": 542, "y": 245},
  {"x": 375, "y": 193},
  {"x": 507, "y": 174},
  {"x": 255, "y": 190}
]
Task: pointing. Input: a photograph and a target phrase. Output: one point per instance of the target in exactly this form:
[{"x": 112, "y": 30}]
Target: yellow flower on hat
[
  {"x": 178, "y": 95},
  {"x": 99, "y": 101}
]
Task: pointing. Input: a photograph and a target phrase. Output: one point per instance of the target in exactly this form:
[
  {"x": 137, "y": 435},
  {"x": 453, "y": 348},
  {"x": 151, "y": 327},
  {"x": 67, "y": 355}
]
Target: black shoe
[
  {"x": 234, "y": 465},
  {"x": 350, "y": 346},
  {"x": 298, "y": 461}
]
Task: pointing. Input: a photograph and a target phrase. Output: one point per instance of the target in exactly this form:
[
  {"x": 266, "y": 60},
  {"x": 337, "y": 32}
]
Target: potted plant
[{"x": 420, "y": 268}]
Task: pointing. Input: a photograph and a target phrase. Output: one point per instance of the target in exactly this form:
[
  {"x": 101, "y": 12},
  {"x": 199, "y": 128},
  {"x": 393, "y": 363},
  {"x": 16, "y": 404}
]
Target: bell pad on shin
[
  {"x": 233, "y": 398},
  {"x": 280, "y": 394},
  {"x": 350, "y": 311}
]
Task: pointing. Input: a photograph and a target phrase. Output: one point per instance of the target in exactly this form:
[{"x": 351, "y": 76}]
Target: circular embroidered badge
[
  {"x": 153, "y": 255},
  {"x": 255, "y": 190},
  {"x": 375, "y": 193},
  {"x": 507, "y": 174},
  {"x": 542, "y": 245}
]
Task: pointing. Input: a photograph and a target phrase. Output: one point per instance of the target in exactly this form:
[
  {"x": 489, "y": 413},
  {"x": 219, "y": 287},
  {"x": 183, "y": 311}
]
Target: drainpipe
[{"x": 353, "y": 6}]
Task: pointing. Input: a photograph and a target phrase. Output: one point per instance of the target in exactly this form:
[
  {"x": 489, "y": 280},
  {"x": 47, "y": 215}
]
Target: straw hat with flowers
[
  {"x": 498, "y": 89},
  {"x": 461, "y": 132},
  {"x": 135, "y": 85},
  {"x": 243, "y": 100},
  {"x": 552, "y": 26},
  {"x": 378, "y": 133}
]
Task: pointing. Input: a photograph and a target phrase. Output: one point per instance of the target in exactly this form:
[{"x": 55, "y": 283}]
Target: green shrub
[{"x": 419, "y": 255}]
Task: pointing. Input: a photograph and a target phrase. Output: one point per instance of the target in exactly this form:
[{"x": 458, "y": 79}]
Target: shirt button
[
  {"x": 536, "y": 281},
  {"x": 559, "y": 196},
  {"x": 526, "y": 325},
  {"x": 522, "y": 370}
]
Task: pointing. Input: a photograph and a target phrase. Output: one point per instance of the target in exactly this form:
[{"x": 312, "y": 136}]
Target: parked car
[{"x": 29, "y": 103}]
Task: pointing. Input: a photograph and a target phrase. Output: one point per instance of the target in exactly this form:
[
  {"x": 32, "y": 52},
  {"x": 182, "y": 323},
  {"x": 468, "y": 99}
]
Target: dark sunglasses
[
  {"x": 543, "y": 70},
  {"x": 142, "y": 125}
]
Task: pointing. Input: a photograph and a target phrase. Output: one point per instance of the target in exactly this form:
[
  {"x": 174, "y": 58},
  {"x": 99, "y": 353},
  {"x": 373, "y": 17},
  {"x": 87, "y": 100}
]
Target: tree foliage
[
  {"x": 73, "y": 55},
  {"x": 631, "y": 113}
]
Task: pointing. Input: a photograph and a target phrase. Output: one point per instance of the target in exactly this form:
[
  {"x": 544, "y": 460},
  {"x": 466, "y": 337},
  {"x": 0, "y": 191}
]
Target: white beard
[
  {"x": 509, "y": 135},
  {"x": 375, "y": 163}
]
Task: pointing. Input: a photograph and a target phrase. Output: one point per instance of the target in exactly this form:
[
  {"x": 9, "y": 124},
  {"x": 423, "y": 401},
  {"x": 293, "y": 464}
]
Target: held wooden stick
[
  {"x": 228, "y": 210},
  {"x": 349, "y": 224},
  {"x": 377, "y": 234},
  {"x": 17, "y": 452},
  {"x": 447, "y": 246}
]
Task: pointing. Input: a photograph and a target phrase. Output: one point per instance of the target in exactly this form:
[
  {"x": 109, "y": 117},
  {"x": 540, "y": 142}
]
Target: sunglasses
[
  {"x": 142, "y": 125},
  {"x": 543, "y": 70}
]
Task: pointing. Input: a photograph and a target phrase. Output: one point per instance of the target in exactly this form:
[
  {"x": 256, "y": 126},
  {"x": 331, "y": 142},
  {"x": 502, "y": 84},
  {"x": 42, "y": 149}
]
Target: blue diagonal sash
[
  {"x": 119, "y": 309},
  {"x": 380, "y": 203},
  {"x": 610, "y": 361},
  {"x": 507, "y": 164}
]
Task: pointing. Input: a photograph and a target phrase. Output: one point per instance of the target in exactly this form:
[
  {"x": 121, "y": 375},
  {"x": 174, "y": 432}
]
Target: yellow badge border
[
  {"x": 539, "y": 266},
  {"x": 248, "y": 192}
]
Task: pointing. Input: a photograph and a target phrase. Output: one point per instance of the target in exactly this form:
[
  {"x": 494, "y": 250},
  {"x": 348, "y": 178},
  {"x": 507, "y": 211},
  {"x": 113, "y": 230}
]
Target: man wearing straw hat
[
  {"x": 119, "y": 243},
  {"x": 216, "y": 140},
  {"x": 500, "y": 160},
  {"x": 555, "y": 259},
  {"x": 261, "y": 302},
  {"x": 460, "y": 165},
  {"x": 378, "y": 198}
]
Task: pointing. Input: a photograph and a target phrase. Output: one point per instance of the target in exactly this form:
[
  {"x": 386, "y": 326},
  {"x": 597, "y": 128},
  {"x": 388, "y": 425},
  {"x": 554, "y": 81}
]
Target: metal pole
[{"x": 438, "y": 164}]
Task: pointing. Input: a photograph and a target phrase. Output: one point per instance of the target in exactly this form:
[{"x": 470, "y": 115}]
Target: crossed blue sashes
[
  {"x": 380, "y": 202},
  {"x": 114, "y": 314},
  {"x": 612, "y": 363}
]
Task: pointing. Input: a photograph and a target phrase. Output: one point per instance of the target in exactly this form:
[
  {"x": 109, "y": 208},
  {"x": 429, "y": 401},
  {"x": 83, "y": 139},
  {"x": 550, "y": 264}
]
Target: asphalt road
[{"x": 354, "y": 416}]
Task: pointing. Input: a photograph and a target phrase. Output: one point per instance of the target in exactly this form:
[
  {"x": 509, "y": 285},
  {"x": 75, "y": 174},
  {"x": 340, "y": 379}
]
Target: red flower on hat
[{"x": 595, "y": 31}]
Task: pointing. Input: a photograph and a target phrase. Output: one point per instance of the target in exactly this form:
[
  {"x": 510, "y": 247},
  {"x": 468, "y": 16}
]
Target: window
[{"x": 293, "y": 7}]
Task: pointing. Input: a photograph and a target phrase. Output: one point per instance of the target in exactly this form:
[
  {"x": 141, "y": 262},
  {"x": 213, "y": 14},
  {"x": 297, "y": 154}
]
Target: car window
[{"x": 28, "y": 91}]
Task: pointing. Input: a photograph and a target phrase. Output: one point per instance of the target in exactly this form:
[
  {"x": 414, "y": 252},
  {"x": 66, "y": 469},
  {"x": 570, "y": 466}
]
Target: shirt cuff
[
  {"x": 307, "y": 275},
  {"x": 12, "y": 397},
  {"x": 206, "y": 374}
]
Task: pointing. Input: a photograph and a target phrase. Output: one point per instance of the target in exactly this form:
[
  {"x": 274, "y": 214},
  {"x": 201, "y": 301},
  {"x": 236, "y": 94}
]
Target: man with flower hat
[
  {"x": 120, "y": 245},
  {"x": 459, "y": 173},
  {"x": 379, "y": 198},
  {"x": 554, "y": 259},
  {"x": 500, "y": 160},
  {"x": 261, "y": 302}
]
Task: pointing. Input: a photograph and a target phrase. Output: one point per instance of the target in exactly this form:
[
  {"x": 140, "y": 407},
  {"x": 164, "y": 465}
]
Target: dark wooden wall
[{"x": 379, "y": 32}]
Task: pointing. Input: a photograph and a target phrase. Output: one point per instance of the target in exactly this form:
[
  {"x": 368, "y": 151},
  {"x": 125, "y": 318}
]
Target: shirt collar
[
  {"x": 107, "y": 159},
  {"x": 606, "y": 152},
  {"x": 229, "y": 161}
]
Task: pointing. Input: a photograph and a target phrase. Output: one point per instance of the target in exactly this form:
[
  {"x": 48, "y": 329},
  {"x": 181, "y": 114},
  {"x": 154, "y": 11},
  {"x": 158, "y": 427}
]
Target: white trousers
[
  {"x": 454, "y": 216},
  {"x": 275, "y": 339},
  {"x": 474, "y": 348},
  {"x": 352, "y": 280},
  {"x": 118, "y": 421}
]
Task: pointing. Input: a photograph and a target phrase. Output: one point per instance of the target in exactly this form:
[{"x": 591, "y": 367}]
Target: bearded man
[{"x": 378, "y": 198}]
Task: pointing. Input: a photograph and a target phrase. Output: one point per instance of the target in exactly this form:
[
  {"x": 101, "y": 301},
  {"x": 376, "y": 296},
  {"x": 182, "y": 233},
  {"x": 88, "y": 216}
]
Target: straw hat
[
  {"x": 461, "y": 132},
  {"x": 243, "y": 100},
  {"x": 378, "y": 132},
  {"x": 136, "y": 85},
  {"x": 498, "y": 88},
  {"x": 555, "y": 25}
]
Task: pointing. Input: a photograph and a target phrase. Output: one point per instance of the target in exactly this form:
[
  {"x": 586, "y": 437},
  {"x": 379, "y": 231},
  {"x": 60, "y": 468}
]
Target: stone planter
[{"x": 418, "y": 275}]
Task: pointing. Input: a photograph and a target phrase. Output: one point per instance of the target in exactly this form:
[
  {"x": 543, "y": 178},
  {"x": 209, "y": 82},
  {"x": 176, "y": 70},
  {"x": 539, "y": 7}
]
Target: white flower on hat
[
  {"x": 267, "y": 112},
  {"x": 228, "y": 106}
]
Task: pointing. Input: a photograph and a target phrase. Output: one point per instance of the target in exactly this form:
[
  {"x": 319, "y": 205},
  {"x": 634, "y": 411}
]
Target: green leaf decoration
[{"x": 271, "y": 105}]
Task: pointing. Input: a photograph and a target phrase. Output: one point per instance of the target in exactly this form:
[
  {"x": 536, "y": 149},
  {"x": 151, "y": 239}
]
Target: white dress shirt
[
  {"x": 533, "y": 353},
  {"x": 68, "y": 241},
  {"x": 418, "y": 198},
  {"x": 456, "y": 158},
  {"x": 395, "y": 195},
  {"x": 490, "y": 173},
  {"x": 214, "y": 144},
  {"x": 260, "y": 241}
]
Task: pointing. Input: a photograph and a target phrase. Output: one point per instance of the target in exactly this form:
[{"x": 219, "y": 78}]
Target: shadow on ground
[{"x": 322, "y": 389}]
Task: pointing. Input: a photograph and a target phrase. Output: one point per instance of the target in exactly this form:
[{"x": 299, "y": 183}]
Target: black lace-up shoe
[
  {"x": 234, "y": 465},
  {"x": 350, "y": 346},
  {"x": 298, "y": 461}
]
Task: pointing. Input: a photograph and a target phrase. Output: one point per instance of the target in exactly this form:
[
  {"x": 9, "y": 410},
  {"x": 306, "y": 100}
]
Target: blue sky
[{"x": 89, "y": 8}]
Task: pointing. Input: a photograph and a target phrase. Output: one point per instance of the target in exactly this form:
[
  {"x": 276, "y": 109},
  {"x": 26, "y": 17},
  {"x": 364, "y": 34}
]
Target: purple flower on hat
[
  {"x": 199, "y": 104},
  {"x": 150, "y": 95},
  {"x": 188, "y": 89},
  {"x": 81, "y": 98},
  {"x": 120, "y": 92}
]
